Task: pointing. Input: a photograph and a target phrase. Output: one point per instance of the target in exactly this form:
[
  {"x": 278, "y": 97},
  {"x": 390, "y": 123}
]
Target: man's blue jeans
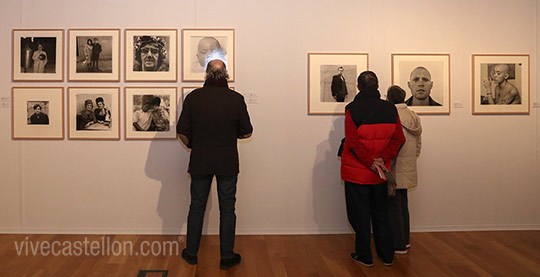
[{"x": 200, "y": 188}]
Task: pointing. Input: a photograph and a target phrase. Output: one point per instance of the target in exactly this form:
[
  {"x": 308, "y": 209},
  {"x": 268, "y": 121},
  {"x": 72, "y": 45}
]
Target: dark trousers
[
  {"x": 398, "y": 213},
  {"x": 368, "y": 204},
  {"x": 200, "y": 188}
]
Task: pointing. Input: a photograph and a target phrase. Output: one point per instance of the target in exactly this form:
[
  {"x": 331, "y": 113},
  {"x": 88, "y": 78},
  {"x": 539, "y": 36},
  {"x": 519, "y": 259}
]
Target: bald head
[
  {"x": 420, "y": 83},
  {"x": 500, "y": 73},
  {"x": 421, "y": 70},
  {"x": 206, "y": 46},
  {"x": 216, "y": 69}
]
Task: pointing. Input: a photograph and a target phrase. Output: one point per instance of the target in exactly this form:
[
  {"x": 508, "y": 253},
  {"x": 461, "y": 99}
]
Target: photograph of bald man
[{"x": 420, "y": 84}]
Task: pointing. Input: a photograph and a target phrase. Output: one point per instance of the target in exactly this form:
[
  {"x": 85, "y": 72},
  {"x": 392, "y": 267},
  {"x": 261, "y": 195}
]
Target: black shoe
[
  {"x": 387, "y": 262},
  {"x": 228, "y": 263},
  {"x": 190, "y": 259},
  {"x": 357, "y": 259},
  {"x": 401, "y": 251}
]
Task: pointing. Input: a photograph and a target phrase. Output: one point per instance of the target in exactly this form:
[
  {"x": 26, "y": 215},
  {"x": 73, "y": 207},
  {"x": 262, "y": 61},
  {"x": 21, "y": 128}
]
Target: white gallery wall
[{"x": 475, "y": 172}]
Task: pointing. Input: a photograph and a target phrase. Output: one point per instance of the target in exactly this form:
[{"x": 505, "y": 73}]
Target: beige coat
[{"x": 404, "y": 169}]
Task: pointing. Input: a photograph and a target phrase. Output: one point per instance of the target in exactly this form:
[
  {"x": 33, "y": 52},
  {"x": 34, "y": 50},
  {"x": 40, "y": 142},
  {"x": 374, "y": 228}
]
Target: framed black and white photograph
[
  {"x": 94, "y": 55},
  {"x": 151, "y": 55},
  {"x": 501, "y": 84},
  {"x": 37, "y": 113},
  {"x": 38, "y": 55},
  {"x": 425, "y": 79},
  {"x": 150, "y": 112},
  {"x": 199, "y": 46},
  {"x": 332, "y": 80},
  {"x": 94, "y": 113}
]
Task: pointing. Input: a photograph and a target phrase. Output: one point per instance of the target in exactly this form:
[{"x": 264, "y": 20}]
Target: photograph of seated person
[
  {"x": 86, "y": 117},
  {"x": 102, "y": 113},
  {"x": 498, "y": 90}
]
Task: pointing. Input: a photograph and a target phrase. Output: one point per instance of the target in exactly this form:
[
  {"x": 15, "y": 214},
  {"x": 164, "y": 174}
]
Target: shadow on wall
[
  {"x": 167, "y": 162},
  {"x": 328, "y": 188}
]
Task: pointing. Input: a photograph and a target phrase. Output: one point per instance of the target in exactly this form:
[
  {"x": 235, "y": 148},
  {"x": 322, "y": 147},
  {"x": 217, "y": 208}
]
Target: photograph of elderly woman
[{"x": 93, "y": 112}]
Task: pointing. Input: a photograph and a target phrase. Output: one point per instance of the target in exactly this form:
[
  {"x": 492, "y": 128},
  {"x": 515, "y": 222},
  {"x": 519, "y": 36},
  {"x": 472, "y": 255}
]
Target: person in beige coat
[{"x": 404, "y": 170}]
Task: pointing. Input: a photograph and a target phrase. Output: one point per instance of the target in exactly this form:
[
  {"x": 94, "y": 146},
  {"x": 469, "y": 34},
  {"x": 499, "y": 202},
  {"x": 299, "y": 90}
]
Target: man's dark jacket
[{"x": 213, "y": 118}]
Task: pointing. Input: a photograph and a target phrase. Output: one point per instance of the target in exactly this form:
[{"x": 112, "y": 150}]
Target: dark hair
[
  {"x": 99, "y": 99},
  {"x": 341, "y": 67},
  {"x": 38, "y": 106},
  {"x": 395, "y": 95},
  {"x": 89, "y": 40},
  {"x": 156, "y": 101},
  {"x": 368, "y": 80}
]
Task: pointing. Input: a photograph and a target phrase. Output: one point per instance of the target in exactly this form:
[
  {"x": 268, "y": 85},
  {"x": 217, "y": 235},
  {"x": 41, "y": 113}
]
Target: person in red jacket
[{"x": 373, "y": 136}]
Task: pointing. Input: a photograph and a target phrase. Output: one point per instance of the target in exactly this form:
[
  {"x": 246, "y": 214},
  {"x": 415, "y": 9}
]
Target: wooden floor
[{"x": 504, "y": 253}]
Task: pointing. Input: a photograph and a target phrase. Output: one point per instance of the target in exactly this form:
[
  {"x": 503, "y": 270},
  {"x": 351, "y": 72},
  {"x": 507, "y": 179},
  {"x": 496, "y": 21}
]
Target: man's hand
[
  {"x": 183, "y": 138},
  {"x": 245, "y": 136},
  {"x": 377, "y": 162}
]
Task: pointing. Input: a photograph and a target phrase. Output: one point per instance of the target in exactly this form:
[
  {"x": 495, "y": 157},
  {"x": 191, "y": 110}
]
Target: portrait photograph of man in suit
[{"x": 338, "y": 83}]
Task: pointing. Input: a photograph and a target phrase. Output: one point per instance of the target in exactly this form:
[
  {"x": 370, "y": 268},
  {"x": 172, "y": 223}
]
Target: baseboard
[
  {"x": 175, "y": 231},
  {"x": 258, "y": 231},
  {"x": 487, "y": 227}
]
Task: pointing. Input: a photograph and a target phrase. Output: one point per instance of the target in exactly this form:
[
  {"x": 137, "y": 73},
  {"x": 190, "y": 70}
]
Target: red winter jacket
[{"x": 372, "y": 130}]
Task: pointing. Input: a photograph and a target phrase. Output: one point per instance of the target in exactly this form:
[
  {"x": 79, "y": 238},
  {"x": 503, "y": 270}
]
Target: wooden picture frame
[
  {"x": 199, "y": 46},
  {"x": 101, "y": 121},
  {"x": 325, "y": 69},
  {"x": 38, "y": 55},
  {"x": 155, "y": 111},
  {"x": 501, "y": 84},
  {"x": 425, "y": 79},
  {"x": 94, "y": 55},
  {"x": 151, "y": 55},
  {"x": 37, "y": 113}
]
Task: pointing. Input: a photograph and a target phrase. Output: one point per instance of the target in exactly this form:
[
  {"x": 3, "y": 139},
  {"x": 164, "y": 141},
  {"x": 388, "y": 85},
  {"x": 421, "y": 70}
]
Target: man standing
[
  {"x": 94, "y": 59},
  {"x": 40, "y": 59},
  {"x": 213, "y": 118},
  {"x": 420, "y": 84},
  {"x": 373, "y": 136},
  {"x": 339, "y": 86}
]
